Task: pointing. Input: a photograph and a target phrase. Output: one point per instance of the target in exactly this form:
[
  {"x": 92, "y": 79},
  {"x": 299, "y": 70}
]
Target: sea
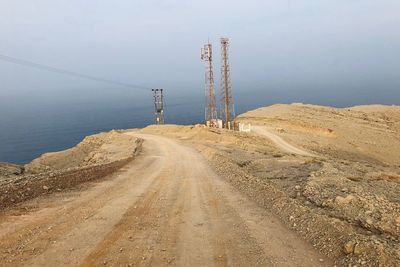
[{"x": 33, "y": 124}]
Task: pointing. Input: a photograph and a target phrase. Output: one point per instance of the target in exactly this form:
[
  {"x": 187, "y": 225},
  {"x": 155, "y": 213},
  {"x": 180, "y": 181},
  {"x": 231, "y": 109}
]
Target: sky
[{"x": 326, "y": 49}]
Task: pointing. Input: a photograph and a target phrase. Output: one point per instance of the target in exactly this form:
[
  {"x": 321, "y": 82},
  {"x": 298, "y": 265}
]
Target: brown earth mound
[
  {"x": 95, "y": 157},
  {"x": 100, "y": 148}
]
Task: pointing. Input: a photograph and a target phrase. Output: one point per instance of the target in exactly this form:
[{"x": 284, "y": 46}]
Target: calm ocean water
[{"x": 34, "y": 125}]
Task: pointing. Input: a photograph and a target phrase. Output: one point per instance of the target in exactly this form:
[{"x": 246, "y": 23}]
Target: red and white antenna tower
[
  {"x": 227, "y": 110},
  {"x": 210, "y": 100}
]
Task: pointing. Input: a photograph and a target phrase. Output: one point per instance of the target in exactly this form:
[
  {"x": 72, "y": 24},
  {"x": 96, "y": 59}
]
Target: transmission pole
[
  {"x": 210, "y": 100},
  {"x": 227, "y": 108},
  {"x": 158, "y": 105}
]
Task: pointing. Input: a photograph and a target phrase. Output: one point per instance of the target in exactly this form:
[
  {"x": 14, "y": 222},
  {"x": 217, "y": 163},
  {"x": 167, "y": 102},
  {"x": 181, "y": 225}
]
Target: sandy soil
[
  {"x": 95, "y": 149},
  {"x": 279, "y": 142},
  {"x": 363, "y": 133},
  {"x": 8, "y": 170},
  {"x": 153, "y": 212}
]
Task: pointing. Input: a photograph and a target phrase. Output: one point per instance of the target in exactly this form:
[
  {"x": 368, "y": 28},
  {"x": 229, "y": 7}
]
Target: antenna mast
[
  {"x": 227, "y": 108},
  {"x": 210, "y": 100},
  {"x": 158, "y": 105}
]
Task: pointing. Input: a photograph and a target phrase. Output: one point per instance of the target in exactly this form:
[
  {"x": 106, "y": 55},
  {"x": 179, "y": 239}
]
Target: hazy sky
[{"x": 283, "y": 45}]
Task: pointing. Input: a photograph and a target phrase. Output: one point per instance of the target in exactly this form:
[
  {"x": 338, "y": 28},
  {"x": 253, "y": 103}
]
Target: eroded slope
[{"x": 100, "y": 148}]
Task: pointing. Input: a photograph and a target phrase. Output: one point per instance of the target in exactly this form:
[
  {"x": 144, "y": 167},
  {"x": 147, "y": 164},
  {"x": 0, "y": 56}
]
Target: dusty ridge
[
  {"x": 95, "y": 157},
  {"x": 96, "y": 149},
  {"x": 364, "y": 133}
]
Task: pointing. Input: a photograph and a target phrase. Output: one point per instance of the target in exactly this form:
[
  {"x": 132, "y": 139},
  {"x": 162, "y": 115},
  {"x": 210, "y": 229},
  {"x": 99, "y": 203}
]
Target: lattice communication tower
[
  {"x": 210, "y": 99},
  {"x": 227, "y": 110}
]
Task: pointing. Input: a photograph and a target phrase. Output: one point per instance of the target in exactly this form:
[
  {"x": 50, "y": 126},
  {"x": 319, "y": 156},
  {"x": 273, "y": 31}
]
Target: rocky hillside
[
  {"x": 354, "y": 177},
  {"x": 94, "y": 158},
  {"x": 100, "y": 148},
  {"x": 362, "y": 133},
  {"x": 10, "y": 170}
]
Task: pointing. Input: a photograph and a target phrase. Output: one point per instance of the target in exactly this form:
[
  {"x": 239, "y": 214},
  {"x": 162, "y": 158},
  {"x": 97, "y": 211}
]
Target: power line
[{"x": 39, "y": 66}]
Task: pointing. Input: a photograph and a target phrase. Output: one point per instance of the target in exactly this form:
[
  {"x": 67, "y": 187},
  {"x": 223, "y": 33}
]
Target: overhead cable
[{"x": 39, "y": 66}]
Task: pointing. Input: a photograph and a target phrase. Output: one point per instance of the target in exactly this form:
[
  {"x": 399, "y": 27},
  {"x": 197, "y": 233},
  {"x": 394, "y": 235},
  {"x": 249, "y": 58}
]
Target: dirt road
[
  {"x": 279, "y": 142},
  {"x": 167, "y": 207}
]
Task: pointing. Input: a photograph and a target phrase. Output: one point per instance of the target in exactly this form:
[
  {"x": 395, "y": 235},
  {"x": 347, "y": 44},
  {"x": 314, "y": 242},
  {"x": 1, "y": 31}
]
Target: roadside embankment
[
  {"x": 95, "y": 157},
  {"x": 101, "y": 148},
  {"x": 337, "y": 237}
]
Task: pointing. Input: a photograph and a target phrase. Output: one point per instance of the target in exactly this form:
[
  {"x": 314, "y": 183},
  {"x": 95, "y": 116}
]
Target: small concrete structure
[
  {"x": 243, "y": 127},
  {"x": 219, "y": 123}
]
